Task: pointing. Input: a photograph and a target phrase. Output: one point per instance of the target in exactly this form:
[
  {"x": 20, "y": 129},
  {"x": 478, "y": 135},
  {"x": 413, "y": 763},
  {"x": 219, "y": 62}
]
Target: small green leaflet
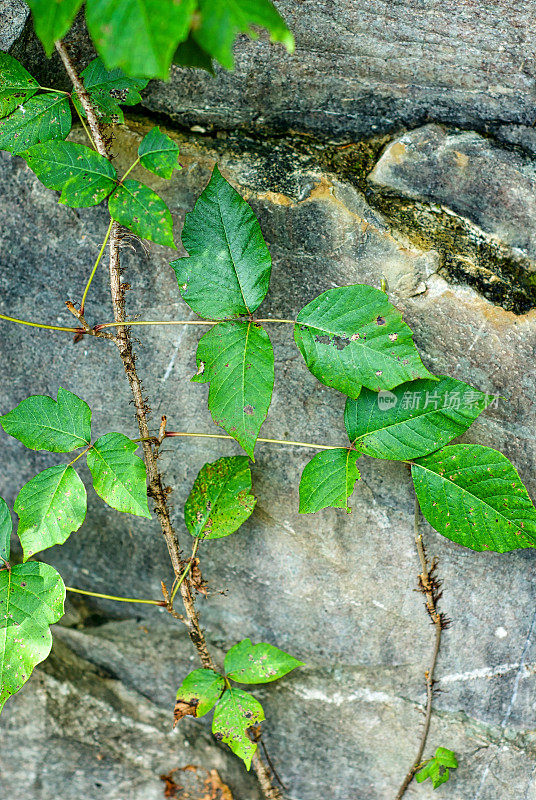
[
  {"x": 52, "y": 19},
  {"x": 258, "y": 663},
  {"x": 352, "y": 336},
  {"x": 220, "y": 500},
  {"x": 414, "y": 419},
  {"x": 119, "y": 476},
  {"x": 238, "y": 361},
  {"x": 222, "y": 20},
  {"x": 224, "y": 241},
  {"x": 16, "y": 84},
  {"x": 138, "y": 208},
  {"x": 109, "y": 90},
  {"x": 190, "y": 54},
  {"x": 41, "y": 423},
  {"x": 6, "y": 526},
  {"x": 198, "y": 693},
  {"x": 328, "y": 480},
  {"x": 159, "y": 153},
  {"x": 437, "y": 768},
  {"x": 31, "y": 599},
  {"x": 474, "y": 496},
  {"x": 39, "y": 119},
  {"x": 50, "y": 507},
  {"x": 140, "y": 36},
  {"x": 83, "y": 176},
  {"x": 235, "y": 714}
]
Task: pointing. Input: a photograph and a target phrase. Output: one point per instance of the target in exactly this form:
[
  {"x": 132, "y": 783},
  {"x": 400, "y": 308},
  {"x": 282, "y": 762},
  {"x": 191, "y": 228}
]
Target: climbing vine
[{"x": 352, "y": 340}]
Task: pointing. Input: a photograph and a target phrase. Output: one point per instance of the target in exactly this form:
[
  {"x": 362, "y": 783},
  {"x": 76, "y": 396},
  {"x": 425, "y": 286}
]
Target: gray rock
[
  {"x": 13, "y": 15},
  {"x": 336, "y": 590}
]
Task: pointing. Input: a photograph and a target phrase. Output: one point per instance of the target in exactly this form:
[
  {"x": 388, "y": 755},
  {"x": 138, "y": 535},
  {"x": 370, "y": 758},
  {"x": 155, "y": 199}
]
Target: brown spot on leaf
[
  {"x": 185, "y": 708},
  {"x": 380, "y": 320},
  {"x": 249, "y": 410}
]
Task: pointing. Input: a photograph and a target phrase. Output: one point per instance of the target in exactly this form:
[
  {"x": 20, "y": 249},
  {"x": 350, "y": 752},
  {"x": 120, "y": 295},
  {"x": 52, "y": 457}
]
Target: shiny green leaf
[
  {"x": 39, "y": 119},
  {"x": 258, "y": 663},
  {"x": 352, "y": 336},
  {"x": 474, "y": 496},
  {"x": 237, "y": 359},
  {"x": 139, "y": 36},
  {"x": 119, "y": 476},
  {"x": 31, "y": 599},
  {"x": 414, "y": 419},
  {"x": 328, "y": 480},
  {"x": 222, "y": 20},
  {"x": 235, "y": 714},
  {"x": 41, "y": 423},
  {"x": 159, "y": 153},
  {"x": 83, "y": 176},
  {"x": 50, "y": 507},
  {"x": 190, "y": 54},
  {"x": 227, "y": 271},
  {"x": 16, "y": 84},
  {"x": 220, "y": 500},
  {"x": 138, "y": 208}
]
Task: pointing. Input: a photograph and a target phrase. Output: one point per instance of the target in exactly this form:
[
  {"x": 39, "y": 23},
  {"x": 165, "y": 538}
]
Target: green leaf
[
  {"x": 52, "y": 19},
  {"x": 353, "y": 336},
  {"x": 6, "y": 526},
  {"x": 39, "y": 119},
  {"x": 138, "y": 208},
  {"x": 442, "y": 777},
  {"x": 222, "y": 20},
  {"x": 159, "y": 153},
  {"x": 109, "y": 90},
  {"x": 238, "y": 361},
  {"x": 200, "y": 690},
  {"x": 50, "y": 507},
  {"x": 235, "y": 714},
  {"x": 220, "y": 500},
  {"x": 227, "y": 272},
  {"x": 328, "y": 480},
  {"x": 414, "y": 419},
  {"x": 31, "y": 599},
  {"x": 119, "y": 476},
  {"x": 41, "y": 423},
  {"x": 446, "y": 757},
  {"x": 424, "y": 773},
  {"x": 474, "y": 496},
  {"x": 190, "y": 54},
  {"x": 16, "y": 84},
  {"x": 140, "y": 36},
  {"x": 85, "y": 177},
  {"x": 258, "y": 663}
]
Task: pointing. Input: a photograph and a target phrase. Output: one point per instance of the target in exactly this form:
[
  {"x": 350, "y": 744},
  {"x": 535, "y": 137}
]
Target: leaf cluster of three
[{"x": 353, "y": 340}]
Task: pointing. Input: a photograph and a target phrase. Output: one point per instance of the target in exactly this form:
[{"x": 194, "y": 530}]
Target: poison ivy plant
[
  {"x": 237, "y": 359},
  {"x": 53, "y": 19},
  {"x": 223, "y": 239},
  {"x": 352, "y": 336},
  {"x": 6, "y": 526},
  {"x": 437, "y": 768},
  {"x": 41, "y": 118},
  {"x": 237, "y": 713},
  {"x": 41, "y": 423},
  {"x": 50, "y": 507},
  {"x": 140, "y": 209},
  {"x": 159, "y": 153},
  {"x": 16, "y": 84},
  {"x": 119, "y": 476},
  {"x": 328, "y": 480},
  {"x": 31, "y": 599},
  {"x": 220, "y": 500},
  {"x": 474, "y": 496},
  {"x": 109, "y": 90}
]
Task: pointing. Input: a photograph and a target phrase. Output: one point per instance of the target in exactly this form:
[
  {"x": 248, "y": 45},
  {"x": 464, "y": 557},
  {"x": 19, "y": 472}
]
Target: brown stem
[
  {"x": 150, "y": 447},
  {"x": 429, "y": 586}
]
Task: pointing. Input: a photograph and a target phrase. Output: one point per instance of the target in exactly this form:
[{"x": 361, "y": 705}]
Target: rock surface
[{"x": 336, "y": 590}]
